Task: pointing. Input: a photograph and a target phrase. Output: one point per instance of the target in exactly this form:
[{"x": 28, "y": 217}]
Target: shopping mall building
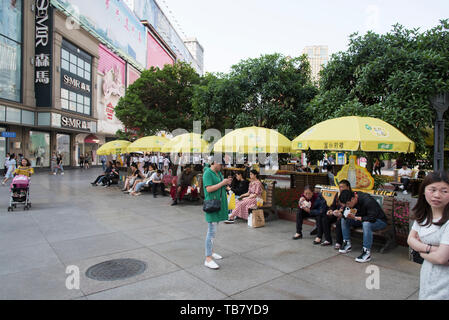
[{"x": 64, "y": 64}]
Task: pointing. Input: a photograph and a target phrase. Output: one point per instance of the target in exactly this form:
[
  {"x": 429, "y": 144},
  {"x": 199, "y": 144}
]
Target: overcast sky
[{"x": 232, "y": 30}]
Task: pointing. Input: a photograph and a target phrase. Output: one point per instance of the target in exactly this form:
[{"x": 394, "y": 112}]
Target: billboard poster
[
  {"x": 132, "y": 74},
  {"x": 111, "y": 87},
  {"x": 113, "y": 23},
  {"x": 157, "y": 56}
]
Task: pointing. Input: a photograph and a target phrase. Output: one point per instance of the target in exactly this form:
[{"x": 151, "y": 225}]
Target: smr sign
[{"x": 74, "y": 123}]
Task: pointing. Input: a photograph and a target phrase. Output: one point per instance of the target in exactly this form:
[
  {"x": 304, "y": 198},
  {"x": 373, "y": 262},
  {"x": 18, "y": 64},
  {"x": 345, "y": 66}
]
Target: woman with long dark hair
[
  {"x": 430, "y": 236},
  {"x": 247, "y": 200}
]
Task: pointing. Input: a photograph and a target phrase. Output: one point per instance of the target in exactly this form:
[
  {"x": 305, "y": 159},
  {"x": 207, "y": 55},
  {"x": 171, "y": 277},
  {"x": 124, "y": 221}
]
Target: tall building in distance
[{"x": 318, "y": 58}]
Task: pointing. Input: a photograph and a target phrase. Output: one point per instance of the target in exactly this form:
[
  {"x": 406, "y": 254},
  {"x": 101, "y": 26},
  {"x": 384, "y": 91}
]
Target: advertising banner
[
  {"x": 132, "y": 74},
  {"x": 113, "y": 23},
  {"x": 111, "y": 87},
  {"x": 43, "y": 52},
  {"x": 157, "y": 56}
]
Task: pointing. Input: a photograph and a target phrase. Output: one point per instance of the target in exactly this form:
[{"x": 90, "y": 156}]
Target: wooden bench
[
  {"x": 387, "y": 202},
  {"x": 269, "y": 207}
]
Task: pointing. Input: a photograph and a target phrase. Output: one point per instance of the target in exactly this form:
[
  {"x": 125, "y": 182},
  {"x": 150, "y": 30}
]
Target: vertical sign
[{"x": 43, "y": 51}]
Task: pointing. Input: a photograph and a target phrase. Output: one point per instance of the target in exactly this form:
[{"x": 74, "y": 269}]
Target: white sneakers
[
  {"x": 211, "y": 264},
  {"x": 216, "y": 256},
  {"x": 405, "y": 192}
]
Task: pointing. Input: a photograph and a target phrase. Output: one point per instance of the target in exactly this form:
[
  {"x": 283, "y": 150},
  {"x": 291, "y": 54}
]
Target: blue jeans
[
  {"x": 368, "y": 228},
  {"x": 103, "y": 164},
  {"x": 211, "y": 232},
  {"x": 140, "y": 186}
]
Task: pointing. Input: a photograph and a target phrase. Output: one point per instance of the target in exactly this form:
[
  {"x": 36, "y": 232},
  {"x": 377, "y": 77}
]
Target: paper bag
[
  {"x": 256, "y": 219},
  {"x": 231, "y": 201}
]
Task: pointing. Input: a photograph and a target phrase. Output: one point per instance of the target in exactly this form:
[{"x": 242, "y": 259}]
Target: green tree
[
  {"x": 391, "y": 77},
  {"x": 161, "y": 99},
  {"x": 271, "y": 91}
]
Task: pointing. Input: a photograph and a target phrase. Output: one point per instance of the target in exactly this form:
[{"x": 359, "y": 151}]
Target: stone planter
[{"x": 287, "y": 214}]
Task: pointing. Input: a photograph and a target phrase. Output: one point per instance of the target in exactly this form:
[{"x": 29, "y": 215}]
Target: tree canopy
[
  {"x": 391, "y": 77},
  {"x": 271, "y": 91},
  {"x": 159, "y": 100}
]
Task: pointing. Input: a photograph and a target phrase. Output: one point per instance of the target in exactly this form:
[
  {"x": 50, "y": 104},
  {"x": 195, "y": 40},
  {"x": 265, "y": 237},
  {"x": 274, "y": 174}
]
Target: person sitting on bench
[
  {"x": 184, "y": 181},
  {"x": 157, "y": 183},
  {"x": 366, "y": 213},
  {"x": 311, "y": 204}
]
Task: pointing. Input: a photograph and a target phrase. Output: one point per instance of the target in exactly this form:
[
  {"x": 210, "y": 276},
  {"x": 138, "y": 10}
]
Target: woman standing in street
[
  {"x": 430, "y": 236},
  {"x": 53, "y": 163},
  {"x": 11, "y": 166},
  {"x": 214, "y": 188}
]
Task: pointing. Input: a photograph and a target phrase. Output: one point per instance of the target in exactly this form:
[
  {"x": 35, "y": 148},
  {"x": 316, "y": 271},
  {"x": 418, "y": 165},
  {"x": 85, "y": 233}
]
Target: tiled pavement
[{"x": 73, "y": 223}]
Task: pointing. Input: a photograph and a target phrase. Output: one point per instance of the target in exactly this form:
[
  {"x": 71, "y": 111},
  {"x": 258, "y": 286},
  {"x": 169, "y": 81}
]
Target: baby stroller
[{"x": 20, "y": 193}]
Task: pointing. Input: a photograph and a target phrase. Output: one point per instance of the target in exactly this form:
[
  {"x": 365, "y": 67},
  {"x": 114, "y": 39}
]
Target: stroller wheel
[
  {"x": 14, "y": 205},
  {"x": 10, "y": 209}
]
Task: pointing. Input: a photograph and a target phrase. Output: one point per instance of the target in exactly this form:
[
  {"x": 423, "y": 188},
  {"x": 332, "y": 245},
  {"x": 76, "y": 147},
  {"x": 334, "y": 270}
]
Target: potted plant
[{"x": 286, "y": 201}]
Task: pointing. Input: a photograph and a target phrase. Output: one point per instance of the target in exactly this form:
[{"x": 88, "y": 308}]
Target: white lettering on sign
[
  {"x": 72, "y": 82},
  {"x": 43, "y": 77},
  {"x": 42, "y": 31},
  {"x": 42, "y": 60},
  {"x": 74, "y": 123}
]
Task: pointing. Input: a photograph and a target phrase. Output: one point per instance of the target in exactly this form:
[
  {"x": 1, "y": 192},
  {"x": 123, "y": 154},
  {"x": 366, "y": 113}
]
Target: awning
[{"x": 91, "y": 139}]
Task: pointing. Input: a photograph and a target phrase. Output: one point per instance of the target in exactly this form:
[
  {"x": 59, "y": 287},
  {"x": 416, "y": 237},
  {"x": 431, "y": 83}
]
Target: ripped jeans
[{"x": 211, "y": 232}]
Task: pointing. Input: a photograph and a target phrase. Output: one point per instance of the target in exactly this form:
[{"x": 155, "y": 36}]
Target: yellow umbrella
[
  {"x": 113, "y": 147},
  {"x": 186, "y": 143},
  {"x": 253, "y": 140},
  {"x": 353, "y": 134},
  {"x": 148, "y": 144}
]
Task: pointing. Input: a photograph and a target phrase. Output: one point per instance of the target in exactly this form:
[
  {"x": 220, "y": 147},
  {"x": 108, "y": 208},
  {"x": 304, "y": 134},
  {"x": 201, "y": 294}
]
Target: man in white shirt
[
  {"x": 156, "y": 182},
  {"x": 405, "y": 174},
  {"x": 161, "y": 162}
]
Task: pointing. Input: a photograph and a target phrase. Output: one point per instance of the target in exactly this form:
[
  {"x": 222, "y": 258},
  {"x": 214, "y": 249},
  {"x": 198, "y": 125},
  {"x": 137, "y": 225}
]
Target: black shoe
[
  {"x": 174, "y": 203},
  {"x": 364, "y": 257},
  {"x": 314, "y": 232},
  {"x": 93, "y": 183},
  {"x": 154, "y": 196},
  {"x": 297, "y": 237}
]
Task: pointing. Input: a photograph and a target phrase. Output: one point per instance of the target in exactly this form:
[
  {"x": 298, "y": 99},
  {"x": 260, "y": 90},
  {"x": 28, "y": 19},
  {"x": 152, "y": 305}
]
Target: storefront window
[
  {"x": 39, "y": 149},
  {"x": 10, "y": 49},
  {"x": 76, "y": 79},
  {"x": 63, "y": 147}
]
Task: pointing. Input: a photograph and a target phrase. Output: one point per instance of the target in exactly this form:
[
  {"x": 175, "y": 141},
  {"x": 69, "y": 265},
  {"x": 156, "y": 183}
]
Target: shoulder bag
[{"x": 213, "y": 205}]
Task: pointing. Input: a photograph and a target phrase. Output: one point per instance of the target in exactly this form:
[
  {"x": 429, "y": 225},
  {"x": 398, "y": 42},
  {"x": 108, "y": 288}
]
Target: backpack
[{"x": 382, "y": 164}]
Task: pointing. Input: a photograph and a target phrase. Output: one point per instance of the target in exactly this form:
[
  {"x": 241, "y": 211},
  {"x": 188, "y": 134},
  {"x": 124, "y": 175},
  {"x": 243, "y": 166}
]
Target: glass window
[
  {"x": 43, "y": 119},
  {"x": 80, "y": 72},
  {"x": 80, "y": 63},
  {"x": 64, "y": 94},
  {"x": 28, "y": 117},
  {"x": 73, "y": 68},
  {"x": 73, "y": 58},
  {"x": 87, "y": 75},
  {"x": 13, "y": 115},
  {"x": 10, "y": 69},
  {"x": 80, "y": 98},
  {"x": 64, "y": 104},
  {"x": 79, "y": 108},
  {"x": 73, "y": 96},
  {"x": 2, "y": 113},
  {"x": 87, "y": 101},
  {"x": 87, "y": 110},
  {"x": 87, "y": 66},
  {"x": 38, "y": 151},
  {"x": 72, "y": 106},
  {"x": 11, "y": 19},
  {"x": 63, "y": 147},
  {"x": 65, "y": 55},
  {"x": 65, "y": 65}
]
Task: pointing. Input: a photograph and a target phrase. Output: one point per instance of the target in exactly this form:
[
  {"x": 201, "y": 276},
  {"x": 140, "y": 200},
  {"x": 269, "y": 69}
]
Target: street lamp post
[{"x": 440, "y": 103}]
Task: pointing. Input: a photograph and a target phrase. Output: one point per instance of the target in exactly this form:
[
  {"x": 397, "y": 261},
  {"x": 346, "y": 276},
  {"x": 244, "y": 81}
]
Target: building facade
[
  {"x": 318, "y": 58},
  {"x": 61, "y": 78}
]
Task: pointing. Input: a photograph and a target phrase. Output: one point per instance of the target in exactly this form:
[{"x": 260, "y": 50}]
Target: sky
[{"x": 233, "y": 30}]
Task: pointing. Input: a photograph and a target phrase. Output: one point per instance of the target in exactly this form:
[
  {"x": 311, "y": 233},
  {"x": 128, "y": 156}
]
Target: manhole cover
[{"x": 116, "y": 269}]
